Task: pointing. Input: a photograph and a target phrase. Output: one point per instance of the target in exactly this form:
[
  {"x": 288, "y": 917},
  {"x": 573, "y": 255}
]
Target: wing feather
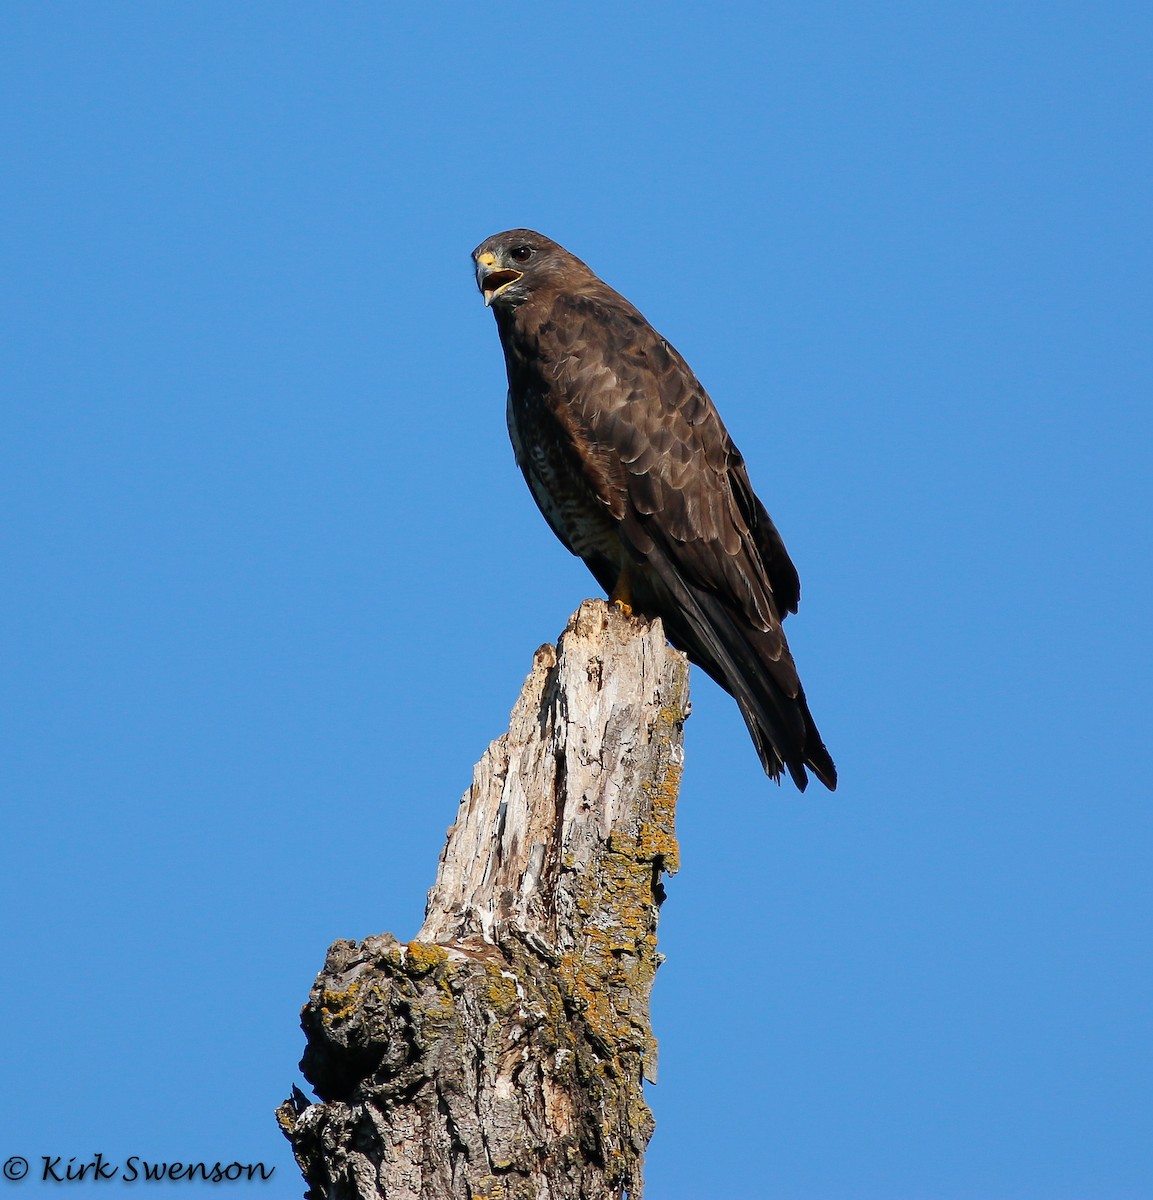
[{"x": 681, "y": 467}]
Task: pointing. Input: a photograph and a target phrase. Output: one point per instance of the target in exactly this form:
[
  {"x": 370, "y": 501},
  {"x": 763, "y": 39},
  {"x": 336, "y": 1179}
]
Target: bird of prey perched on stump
[{"x": 629, "y": 462}]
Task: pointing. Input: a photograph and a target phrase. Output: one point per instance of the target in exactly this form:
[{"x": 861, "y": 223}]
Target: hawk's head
[{"x": 510, "y": 266}]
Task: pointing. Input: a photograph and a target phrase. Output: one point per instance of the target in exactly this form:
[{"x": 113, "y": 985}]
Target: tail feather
[
  {"x": 781, "y": 725},
  {"x": 753, "y": 668}
]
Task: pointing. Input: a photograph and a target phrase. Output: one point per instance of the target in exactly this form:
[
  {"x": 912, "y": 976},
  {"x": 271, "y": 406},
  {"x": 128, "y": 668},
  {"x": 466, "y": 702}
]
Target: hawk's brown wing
[{"x": 708, "y": 558}]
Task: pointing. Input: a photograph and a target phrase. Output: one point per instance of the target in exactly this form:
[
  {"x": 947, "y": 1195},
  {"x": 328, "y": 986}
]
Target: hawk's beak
[{"x": 492, "y": 279}]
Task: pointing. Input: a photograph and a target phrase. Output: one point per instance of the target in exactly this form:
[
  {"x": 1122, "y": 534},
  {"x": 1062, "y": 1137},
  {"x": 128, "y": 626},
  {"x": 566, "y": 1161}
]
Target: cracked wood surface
[{"x": 500, "y": 1054}]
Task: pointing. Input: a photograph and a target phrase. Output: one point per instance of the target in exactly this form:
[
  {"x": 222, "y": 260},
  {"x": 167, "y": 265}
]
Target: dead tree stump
[{"x": 499, "y": 1055}]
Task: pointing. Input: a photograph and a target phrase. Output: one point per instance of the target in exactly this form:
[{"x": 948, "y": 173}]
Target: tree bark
[{"x": 500, "y": 1054}]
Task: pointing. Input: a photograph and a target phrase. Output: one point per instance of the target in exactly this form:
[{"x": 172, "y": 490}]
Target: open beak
[{"x": 492, "y": 279}]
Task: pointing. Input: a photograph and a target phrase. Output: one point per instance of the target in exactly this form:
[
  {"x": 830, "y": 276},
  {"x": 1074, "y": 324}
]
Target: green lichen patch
[
  {"x": 422, "y": 957},
  {"x": 334, "y": 1006},
  {"x": 500, "y": 989}
]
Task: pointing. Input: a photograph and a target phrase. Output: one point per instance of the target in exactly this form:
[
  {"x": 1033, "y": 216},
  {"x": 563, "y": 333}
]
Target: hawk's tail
[
  {"x": 812, "y": 754},
  {"x": 775, "y": 710},
  {"x": 756, "y": 668}
]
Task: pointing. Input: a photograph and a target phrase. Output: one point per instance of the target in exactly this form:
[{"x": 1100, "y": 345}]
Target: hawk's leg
[{"x": 622, "y": 595}]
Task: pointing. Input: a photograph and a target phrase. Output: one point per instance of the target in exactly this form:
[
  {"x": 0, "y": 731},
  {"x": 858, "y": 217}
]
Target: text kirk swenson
[{"x": 134, "y": 1169}]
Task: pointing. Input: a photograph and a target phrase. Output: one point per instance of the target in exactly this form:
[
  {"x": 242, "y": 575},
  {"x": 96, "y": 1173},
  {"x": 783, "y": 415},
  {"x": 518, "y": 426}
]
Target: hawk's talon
[{"x": 622, "y": 594}]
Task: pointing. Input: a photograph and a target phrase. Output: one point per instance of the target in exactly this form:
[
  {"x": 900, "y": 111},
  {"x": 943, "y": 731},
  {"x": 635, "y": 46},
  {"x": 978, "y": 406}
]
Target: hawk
[{"x": 632, "y": 467}]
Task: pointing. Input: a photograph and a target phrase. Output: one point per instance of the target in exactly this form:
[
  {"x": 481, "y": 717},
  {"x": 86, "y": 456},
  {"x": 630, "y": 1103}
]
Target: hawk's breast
[{"x": 550, "y": 464}]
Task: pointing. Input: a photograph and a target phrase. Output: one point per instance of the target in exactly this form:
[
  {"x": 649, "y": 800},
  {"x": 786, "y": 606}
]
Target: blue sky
[{"x": 273, "y": 580}]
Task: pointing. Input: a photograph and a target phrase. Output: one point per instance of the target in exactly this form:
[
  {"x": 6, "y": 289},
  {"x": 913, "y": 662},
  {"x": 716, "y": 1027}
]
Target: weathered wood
[{"x": 500, "y": 1054}]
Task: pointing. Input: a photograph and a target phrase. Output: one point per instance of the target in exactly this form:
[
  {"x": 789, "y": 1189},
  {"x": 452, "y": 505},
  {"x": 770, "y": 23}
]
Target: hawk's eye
[{"x": 521, "y": 254}]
